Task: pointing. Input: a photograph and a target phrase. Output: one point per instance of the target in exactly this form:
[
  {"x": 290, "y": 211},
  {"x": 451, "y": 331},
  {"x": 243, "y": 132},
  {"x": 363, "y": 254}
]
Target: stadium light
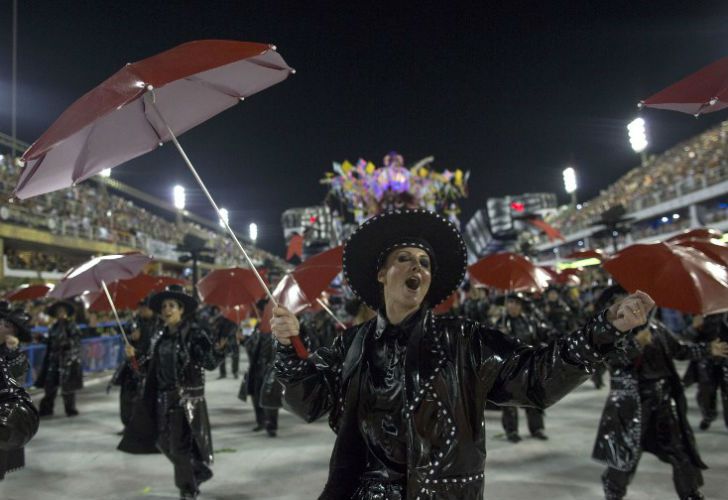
[
  {"x": 224, "y": 217},
  {"x": 253, "y": 231},
  {"x": 570, "y": 184},
  {"x": 637, "y": 135},
  {"x": 178, "y": 194},
  {"x": 105, "y": 173}
]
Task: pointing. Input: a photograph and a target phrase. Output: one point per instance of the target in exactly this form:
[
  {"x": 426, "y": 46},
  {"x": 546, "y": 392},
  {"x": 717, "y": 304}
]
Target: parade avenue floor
[{"x": 76, "y": 459}]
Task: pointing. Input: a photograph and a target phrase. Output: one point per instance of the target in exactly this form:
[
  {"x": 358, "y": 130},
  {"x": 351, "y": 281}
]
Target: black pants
[
  {"x": 235, "y": 356},
  {"x": 509, "y": 418},
  {"x": 266, "y": 418},
  {"x": 177, "y": 443},
  {"x": 714, "y": 377},
  {"x": 49, "y": 399},
  {"x": 597, "y": 376},
  {"x": 662, "y": 429}
]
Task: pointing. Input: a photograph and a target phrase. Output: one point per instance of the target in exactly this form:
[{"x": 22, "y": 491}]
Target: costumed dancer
[
  {"x": 171, "y": 413},
  {"x": 475, "y": 306},
  {"x": 18, "y": 416},
  {"x": 222, "y": 328},
  {"x": 129, "y": 376},
  {"x": 261, "y": 349},
  {"x": 646, "y": 409},
  {"x": 62, "y": 362},
  {"x": 530, "y": 330},
  {"x": 406, "y": 391},
  {"x": 710, "y": 373},
  {"x": 558, "y": 312}
]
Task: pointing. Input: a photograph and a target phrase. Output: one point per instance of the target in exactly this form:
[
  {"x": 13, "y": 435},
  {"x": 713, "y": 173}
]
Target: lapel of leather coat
[{"x": 423, "y": 361}]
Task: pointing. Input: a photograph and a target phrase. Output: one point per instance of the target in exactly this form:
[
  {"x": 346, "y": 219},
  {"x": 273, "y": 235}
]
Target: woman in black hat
[
  {"x": 405, "y": 392},
  {"x": 18, "y": 416},
  {"x": 171, "y": 414},
  {"x": 62, "y": 361}
]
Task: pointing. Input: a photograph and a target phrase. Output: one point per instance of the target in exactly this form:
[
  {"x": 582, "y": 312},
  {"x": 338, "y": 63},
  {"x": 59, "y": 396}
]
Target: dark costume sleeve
[
  {"x": 540, "y": 376},
  {"x": 18, "y": 416},
  {"x": 312, "y": 384},
  {"x": 202, "y": 350}
]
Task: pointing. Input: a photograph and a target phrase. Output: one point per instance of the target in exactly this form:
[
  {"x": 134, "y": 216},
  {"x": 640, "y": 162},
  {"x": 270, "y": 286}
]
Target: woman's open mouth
[{"x": 413, "y": 283}]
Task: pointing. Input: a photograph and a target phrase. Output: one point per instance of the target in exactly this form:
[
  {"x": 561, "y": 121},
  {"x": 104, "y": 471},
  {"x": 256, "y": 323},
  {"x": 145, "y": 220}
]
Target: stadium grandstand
[{"x": 684, "y": 187}]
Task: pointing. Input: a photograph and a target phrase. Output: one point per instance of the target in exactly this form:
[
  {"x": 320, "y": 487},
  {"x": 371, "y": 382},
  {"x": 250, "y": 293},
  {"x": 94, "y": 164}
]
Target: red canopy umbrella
[
  {"x": 236, "y": 313},
  {"x": 712, "y": 249},
  {"x": 126, "y": 294},
  {"x": 674, "y": 276},
  {"x": 509, "y": 271},
  {"x": 702, "y": 233},
  {"x": 146, "y": 104},
  {"x": 704, "y": 91},
  {"x": 230, "y": 287},
  {"x": 586, "y": 254},
  {"x": 446, "y": 306},
  {"x": 28, "y": 292}
]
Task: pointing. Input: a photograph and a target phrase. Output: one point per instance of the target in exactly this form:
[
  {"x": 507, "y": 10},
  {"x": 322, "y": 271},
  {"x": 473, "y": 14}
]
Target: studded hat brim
[
  {"x": 70, "y": 308},
  {"x": 189, "y": 303},
  {"x": 364, "y": 247}
]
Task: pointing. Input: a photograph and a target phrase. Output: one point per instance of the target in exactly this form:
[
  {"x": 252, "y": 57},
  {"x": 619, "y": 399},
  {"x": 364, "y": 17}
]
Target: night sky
[{"x": 512, "y": 93}]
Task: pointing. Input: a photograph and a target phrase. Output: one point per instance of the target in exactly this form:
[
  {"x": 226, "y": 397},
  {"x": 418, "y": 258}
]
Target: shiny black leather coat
[
  {"x": 619, "y": 441},
  {"x": 63, "y": 353},
  {"x": 452, "y": 366},
  {"x": 126, "y": 374},
  {"x": 18, "y": 416},
  {"x": 195, "y": 354}
]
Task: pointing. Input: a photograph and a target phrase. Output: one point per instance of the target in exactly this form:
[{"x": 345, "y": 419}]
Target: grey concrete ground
[{"x": 77, "y": 458}]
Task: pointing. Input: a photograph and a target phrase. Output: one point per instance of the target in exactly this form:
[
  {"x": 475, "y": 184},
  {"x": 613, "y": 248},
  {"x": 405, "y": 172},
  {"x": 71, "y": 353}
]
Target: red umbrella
[
  {"x": 586, "y": 254},
  {"x": 702, "y": 233},
  {"x": 712, "y": 249},
  {"x": 704, "y": 91},
  {"x": 126, "y": 294},
  {"x": 91, "y": 276},
  {"x": 230, "y": 287},
  {"x": 28, "y": 292},
  {"x": 674, "y": 276},
  {"x": 509, "y": 271},
  {"x": 236, "y": 313},
  {"x": 446, "y": 306}
]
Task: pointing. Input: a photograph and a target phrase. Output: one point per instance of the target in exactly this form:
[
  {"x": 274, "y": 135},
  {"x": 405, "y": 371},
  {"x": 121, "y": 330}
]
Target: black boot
[
  {"x": 704, "y": 425},
  {"x": 513, "y": 437},
  {"x": 540, "y": 435}
]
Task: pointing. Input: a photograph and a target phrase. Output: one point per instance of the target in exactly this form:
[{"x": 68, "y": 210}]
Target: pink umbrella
[
  {"x": 91, "y": 276},
  {"x": 146, "y": 104}
]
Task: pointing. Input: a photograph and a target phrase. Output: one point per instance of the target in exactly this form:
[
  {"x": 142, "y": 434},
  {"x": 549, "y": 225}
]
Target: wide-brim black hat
[
  {"x": 365, "y": 248},
  {"x": 68, "y": 306},
  {"x": 173, "y": 292},
  {"x": 19, "y": 318}
]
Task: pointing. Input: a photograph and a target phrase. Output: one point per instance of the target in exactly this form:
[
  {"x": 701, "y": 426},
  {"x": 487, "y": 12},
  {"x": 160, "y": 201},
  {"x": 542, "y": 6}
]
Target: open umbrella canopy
[
  {"x": 702, "y": 233},
  {"x": 28, "y": 292},
  {"x": 116, "y": 122},
  {"x": 230, "y": 287},
  {"x": 674, "y": 276},
  {"x": 704, "y": 91},
  {"x": 509, "y": 271},
  {"x": 712, "y": 249},
  {"x": 127, "y": 293},
  {"x": 89, "y": 276}
]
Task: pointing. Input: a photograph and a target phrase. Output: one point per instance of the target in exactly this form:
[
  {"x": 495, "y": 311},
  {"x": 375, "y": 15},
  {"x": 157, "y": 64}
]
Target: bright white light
[
  {"x": 105, "y": 172},
  {"x": 569, "y": 179},
  {"x": 637, "y": 135},
  {"x": 676, "y": 216},
  {"x": 178, "y": 194},
  {"x": 224, "y": 217},
  {"x": 581, "y": 243},
  {"x": 664, "y": 219},
  {"x": 579, "y": 206},
  {"x": 253, "y": 231}
]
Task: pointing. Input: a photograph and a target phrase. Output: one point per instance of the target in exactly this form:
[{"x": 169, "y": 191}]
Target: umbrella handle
[{"x": 297, "y": 343}]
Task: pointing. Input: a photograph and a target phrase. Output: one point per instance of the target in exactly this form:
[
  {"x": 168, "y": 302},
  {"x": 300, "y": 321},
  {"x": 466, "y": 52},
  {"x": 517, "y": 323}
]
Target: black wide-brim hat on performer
[
  {"x": 70, "y": 308},
  {"x": 367, "y": 248},
  {"x": 173, "y": 292}
]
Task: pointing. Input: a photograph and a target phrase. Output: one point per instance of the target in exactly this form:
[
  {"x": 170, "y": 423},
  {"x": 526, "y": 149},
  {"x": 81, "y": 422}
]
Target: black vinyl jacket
[
  {"x": 63, "y": 353},
  {"x": 18, "y": 416},
  {"x": 452, "y": 367}
]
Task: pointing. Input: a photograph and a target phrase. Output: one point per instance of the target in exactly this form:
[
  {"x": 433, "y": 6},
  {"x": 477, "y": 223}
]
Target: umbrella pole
[
  {"x": 116, "y": 315},
  {"x": 331, "y": 313},
  {"x": 296, "y": 341}
]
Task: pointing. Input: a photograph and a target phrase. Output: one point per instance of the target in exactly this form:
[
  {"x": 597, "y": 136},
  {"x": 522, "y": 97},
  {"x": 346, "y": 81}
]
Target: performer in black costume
[
  {"x": 406, "y": 391},
  {"x": 18, "y": 416},
  {"x": 62, "y": 362},
  {"x": 222, "y": 328},
  {"x": 130, "y": 375},
  {"x": 646, "y": 410},
  {"x": 558, "y": 312},
  {"x": 532, "y": 331},
  {"x": 171, "y": 414}
]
